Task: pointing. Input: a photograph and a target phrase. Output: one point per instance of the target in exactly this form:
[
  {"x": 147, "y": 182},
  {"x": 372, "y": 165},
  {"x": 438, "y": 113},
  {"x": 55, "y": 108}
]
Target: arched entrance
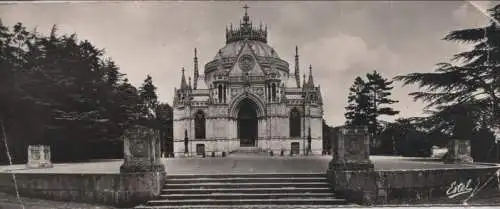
[{"x": 247, "y": 123}]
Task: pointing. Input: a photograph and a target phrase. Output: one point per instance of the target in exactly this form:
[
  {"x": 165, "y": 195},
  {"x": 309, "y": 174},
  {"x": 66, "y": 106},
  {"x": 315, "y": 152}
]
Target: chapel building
[{"x": 247, "y": 98}]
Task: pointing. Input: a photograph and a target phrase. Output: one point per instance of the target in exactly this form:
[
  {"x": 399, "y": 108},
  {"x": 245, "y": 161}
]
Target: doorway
[{"x": 247, "y": 123}]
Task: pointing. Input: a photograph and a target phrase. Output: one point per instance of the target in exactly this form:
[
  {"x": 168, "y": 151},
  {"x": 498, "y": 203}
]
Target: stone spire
[
  {"x": 297, "y": 70},
  {"x": 310, "y": 82},
  {"x": 189, "y": 85},
  {"x": 184, "y": 85},
  {"x": 304, "y": 83},
  {"x": 196, "y": 72}
]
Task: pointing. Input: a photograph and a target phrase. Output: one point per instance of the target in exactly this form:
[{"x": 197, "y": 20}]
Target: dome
[{"x": 260, "y": 49}]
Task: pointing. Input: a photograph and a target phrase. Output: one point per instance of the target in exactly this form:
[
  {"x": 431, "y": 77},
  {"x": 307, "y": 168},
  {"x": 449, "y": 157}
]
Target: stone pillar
[
  {"x": 351, "y": 172},
  {"x": 141, "y": 151},
  {"x": 351, "y": 149},
  {"x": 458, "y": 152},
  {"x": 142, "y": 174},
  {"x": 39, "y": 156}
]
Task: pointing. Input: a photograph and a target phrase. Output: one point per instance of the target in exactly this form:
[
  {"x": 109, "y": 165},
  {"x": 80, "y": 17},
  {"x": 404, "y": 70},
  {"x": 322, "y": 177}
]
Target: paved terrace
[{"x": 243, "y": 164}]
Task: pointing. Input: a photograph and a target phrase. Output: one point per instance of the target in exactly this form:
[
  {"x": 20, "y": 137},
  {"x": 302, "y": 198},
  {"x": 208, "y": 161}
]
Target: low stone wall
[
  {"x": 410, "y": 186},
  {"x": 122, "y": 190}
]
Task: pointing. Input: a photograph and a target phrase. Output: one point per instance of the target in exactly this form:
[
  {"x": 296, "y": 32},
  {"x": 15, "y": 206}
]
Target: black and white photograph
[{"x": 249, "y": 104}]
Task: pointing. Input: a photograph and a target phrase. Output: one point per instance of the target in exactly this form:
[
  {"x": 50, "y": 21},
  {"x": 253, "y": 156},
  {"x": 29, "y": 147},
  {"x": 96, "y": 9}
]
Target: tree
[
  {"x": 327, "y": 137},
  {"x": 366, "y": 100},
  {"x": 405, "y": 137},
  {"x": 358, "y": 103},
  {"x": 469, "y": 84},
  {"x": 149, "y": 99},
  {"x": 164, "y": 120},
  {"x": 379, "y": 91},
  {"x": 63, "y": 90}
]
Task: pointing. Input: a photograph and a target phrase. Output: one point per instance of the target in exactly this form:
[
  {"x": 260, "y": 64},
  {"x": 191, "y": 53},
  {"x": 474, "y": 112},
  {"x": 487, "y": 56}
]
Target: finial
[
  {"x": 246, "y": 9},
  {"x": 195, "y": 54},
  {"x": 296, "y": 50},
  {"x": 310, "y": 68},
  {"x": 246, "y": 18},
  {"x": 182, "y": 70}
]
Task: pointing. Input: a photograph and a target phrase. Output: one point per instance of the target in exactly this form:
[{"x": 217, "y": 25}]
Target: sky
[{"x": 341, "y": 40}]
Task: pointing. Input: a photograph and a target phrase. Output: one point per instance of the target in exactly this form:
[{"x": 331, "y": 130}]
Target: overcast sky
[{"x": 341, "y": 40}]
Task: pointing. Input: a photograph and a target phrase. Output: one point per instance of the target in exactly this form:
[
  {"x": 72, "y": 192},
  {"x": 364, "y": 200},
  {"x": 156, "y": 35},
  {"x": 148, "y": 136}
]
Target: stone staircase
[{"x": 245, "y": 191}]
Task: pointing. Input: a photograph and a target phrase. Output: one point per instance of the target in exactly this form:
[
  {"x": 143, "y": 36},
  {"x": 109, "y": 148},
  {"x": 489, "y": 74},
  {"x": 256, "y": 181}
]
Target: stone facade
[
  {"x": 39, "y": 156},
  {"x": 247, "y": 97}
]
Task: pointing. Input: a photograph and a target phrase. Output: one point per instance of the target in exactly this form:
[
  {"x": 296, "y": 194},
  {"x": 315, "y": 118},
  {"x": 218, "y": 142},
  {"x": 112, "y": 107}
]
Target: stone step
[
  {"x": 263, "y": 190},
  {"x": 249, "y": 185},
  {"x": 286, "y": 201},
  {"x": 247, "y": 190},
  {"x": 268, "y": 206},
  {"x": 236, "y": 195},
  {"x": 245, "y": 175},
  {"x": 249, "y": 149},
  {"x": 244, "y": 180}
]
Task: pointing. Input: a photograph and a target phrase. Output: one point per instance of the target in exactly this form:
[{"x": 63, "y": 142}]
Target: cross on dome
[
  {"x": 246, "y": 31},
  {"x": 246, "y": 18},
  {"x": 246, "y": 8}
]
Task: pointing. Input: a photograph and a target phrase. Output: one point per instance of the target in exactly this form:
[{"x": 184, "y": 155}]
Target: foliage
[
  {"x": 483, "y": 147},
  {"x": 406, "y": 137},
  {"x": 379, "y": 92},
  {"x": 367, "y": 101},
  {"x": 65, "y": 92},
  {"x": 464, "y": 94},
  {"x": 327, "y": 137},
  {"x": 359, "y": 104}
]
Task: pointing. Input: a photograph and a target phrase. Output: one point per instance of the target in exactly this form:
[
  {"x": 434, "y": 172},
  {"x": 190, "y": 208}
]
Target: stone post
[
  {"x": 39, "y": 156},
  {"x": 458, "y": 152},
  {"x": 142, "y": 174},
  {"x": 351, "y": 149},
  {"x": 351, "y": 172},
  {"x": 141, "y": 151}
]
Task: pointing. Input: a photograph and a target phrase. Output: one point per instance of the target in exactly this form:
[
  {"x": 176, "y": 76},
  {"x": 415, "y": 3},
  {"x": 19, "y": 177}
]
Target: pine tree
[
  {"x": 367, "y": 101},
  {"x": 149, "y": 99},
  {"x": 62, "y": 90},
  {"x": 112, "y": 74},
  {"x": 469, "y": 83},
  {"x": 379, "y": 92},
  {"x": 164, "y": 123},
  {"x": 358, "y": 103}
]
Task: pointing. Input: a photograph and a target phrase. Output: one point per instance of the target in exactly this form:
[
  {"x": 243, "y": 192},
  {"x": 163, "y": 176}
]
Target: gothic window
[
  {"x": 273, "y": 92},
  {"x": 294, "y": 123},
  {"x": 199, "y": 125},
  {"x": 220, "y": 93}
]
